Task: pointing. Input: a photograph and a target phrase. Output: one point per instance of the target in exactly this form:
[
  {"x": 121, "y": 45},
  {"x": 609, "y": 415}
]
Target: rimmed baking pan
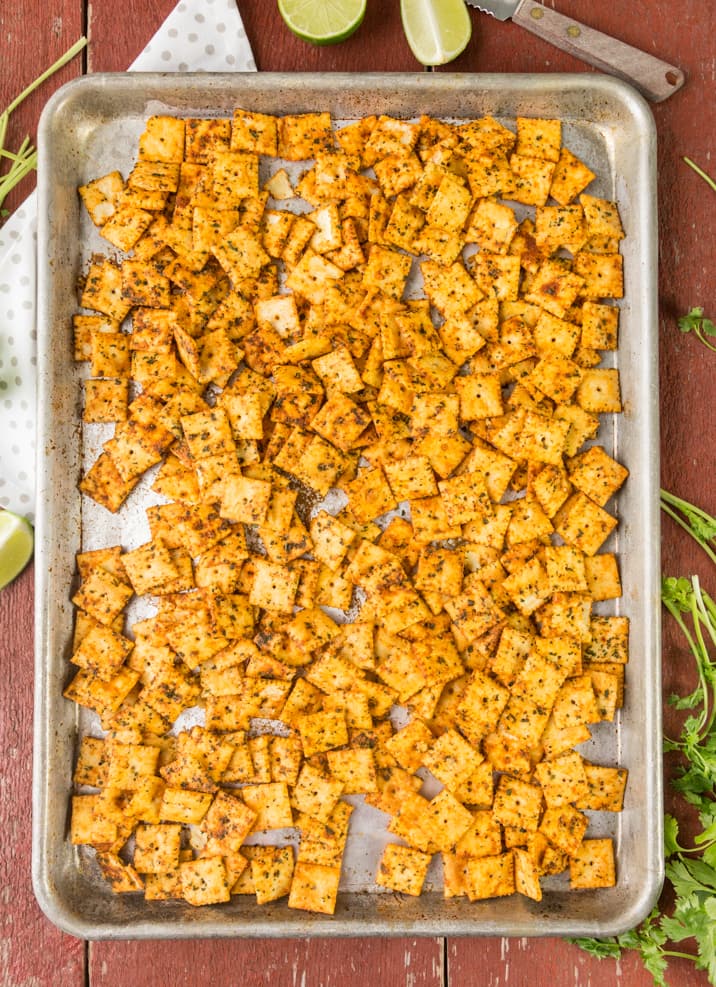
[{"x": 90, "y": 127}]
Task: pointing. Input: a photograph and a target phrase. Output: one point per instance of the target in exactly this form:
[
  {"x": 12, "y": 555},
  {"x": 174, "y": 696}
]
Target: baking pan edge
[{"x": 55, "y": 885}]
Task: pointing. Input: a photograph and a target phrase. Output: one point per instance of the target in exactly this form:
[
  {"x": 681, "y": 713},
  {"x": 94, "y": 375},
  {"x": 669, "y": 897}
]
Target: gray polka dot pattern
[
  {"x": 17, "y": 359},
  {"x": 198, "y": 36}
]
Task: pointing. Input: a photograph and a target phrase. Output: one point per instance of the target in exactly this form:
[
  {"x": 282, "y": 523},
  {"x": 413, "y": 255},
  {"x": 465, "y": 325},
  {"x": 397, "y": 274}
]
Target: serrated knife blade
[
  {"x": 653, "y": 77},
  {"x": 501, "y": 9}
]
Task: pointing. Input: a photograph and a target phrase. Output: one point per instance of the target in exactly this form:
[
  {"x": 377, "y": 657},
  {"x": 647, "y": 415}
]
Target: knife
[{"x": 653, "y": 78}]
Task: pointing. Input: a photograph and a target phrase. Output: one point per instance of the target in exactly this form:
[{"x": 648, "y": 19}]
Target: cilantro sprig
[
  {"x": 699, "y": 325},
  {"x": 24, "y": 160},
  {"x": 695, "y": 613},
  {"x": 691, "y": 870},
  {"x": 694, "y": 520},
  {"x": 695, "y": 321},
  {"x": 648, "y": 940}
]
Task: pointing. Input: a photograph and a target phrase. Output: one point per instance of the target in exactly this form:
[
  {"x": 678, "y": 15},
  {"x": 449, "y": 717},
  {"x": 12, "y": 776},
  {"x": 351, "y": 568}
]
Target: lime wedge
[
  {"x": 16, "y": 543},
  {"x": 322, "y": 22},
  {"x": 437, "y": 30}
]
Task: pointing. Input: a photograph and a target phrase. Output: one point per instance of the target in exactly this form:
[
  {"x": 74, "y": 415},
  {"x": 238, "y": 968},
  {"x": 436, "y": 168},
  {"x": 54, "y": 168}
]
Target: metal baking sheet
[{"x": 90, "y": 127}]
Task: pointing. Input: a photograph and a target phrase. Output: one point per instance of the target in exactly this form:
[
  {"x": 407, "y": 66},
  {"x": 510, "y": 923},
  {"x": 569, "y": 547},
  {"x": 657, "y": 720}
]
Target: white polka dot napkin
[{"x": 198, "y": 36}]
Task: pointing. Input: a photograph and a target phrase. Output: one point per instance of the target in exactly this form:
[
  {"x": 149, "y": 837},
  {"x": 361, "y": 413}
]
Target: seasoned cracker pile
[{"x": 366, "y": 402}]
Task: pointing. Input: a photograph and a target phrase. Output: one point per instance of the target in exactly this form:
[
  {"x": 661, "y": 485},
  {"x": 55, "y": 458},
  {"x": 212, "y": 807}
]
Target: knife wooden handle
[{"x": 653, "y": 78}]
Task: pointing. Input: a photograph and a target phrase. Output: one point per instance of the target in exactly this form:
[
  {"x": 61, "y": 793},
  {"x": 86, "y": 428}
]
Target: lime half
[
  {"x": 16, "y": 543},
  {"x": 437, "y": 30},
  {"x": 323, "y": 22}
]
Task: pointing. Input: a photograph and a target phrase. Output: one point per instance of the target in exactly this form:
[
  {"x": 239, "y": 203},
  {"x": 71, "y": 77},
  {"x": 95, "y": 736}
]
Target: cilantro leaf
[
  {"x": 677, "y": 592},
  {"x": 691, "y": 876},
  {"x": 690, "y": 321},
  {"x": 671, "y": 833},
  {"x": 710, "y": 854},
  {"x": 687, "y": 702},
  {"x": 601, "y": 948},
  {"x": 708, "y": 832},
  {"x": 706, "y": 939},
  {"x": 704, "y": 527},
  {"x": 693, "y": 918},
  {"x": 648, "y": 939},
  {"x": 655, "y": 962},
  {"x": 695, "y": 321},
  {"x": 699, "y": 325}
]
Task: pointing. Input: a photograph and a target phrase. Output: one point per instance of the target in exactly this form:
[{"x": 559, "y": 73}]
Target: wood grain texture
[
  {"x": 550, "y": 963},
  {"x": 378, "y": 45},
  {"x": 27, "y": 50},
  {"x": 502, "y": 46},
  {"x": 281, "y": 963},
  {"x": 112, "y": 46},
  {"x": 33, "y": 953}
]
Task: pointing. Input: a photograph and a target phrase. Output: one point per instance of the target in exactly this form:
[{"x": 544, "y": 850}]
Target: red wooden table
[{"x": 34, "y": 33}]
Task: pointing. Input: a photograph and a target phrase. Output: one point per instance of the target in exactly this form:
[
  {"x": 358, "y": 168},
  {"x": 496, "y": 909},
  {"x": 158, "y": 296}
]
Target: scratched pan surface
[{"x": 91, "y": 127}]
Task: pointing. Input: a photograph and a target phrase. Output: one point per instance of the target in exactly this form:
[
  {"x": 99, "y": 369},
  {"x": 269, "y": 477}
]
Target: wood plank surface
[
  {"x": 379, "y": 45},
  {"x": 27, "y": 50},
  {"x": 550, "y": 963},
  {"x": 280, "y": 963},
  {"x": 32, "y": 952},
  {"x": 112, "y": 49}
]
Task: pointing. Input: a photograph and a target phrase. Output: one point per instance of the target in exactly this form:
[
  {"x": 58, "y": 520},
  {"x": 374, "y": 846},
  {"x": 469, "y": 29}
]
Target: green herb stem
[
  {"x": 24, "y": 160},
  {"x": 696, "y": 522},
  {"x": 701, "y": 173},
  {"x": 702, "y": 339},
  {"x": 695, "y": 321},
  {"x": 55, "y": 67}
]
